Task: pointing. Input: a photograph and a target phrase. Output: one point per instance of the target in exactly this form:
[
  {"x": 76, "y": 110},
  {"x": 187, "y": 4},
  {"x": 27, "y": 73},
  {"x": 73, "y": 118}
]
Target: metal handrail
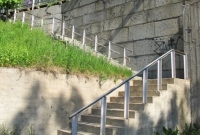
[{"x": 127, "y": 90}]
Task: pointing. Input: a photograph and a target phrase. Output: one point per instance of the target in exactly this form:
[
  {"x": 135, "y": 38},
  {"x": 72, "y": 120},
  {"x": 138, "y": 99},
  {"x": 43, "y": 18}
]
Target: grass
[{"x": 21, "y": 47}]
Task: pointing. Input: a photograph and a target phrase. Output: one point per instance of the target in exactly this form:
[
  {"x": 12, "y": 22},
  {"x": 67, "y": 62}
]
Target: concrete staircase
[{"x": 115, "y": 123}]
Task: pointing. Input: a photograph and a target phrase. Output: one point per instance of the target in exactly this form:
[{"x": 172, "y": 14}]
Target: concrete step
[
  {"x": 115, "y": 121},
  {"x": 140, "y": 93},
  {"x": 68, "y": 132},
  {"x": 113, "y": 112},
  {"x": 154, "y": 81},
  {"x": 132, "y": 99},
  {"x": 94, "y": 128},
  {"x": 113, "y": 105},
  {"x": 150, "y": 87}
]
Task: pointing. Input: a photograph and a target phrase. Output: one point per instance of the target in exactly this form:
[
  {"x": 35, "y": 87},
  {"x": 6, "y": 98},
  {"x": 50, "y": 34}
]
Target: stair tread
[
  {"x": 98, "y": 125},
  {"x": 78, "y": 133},
  {"x": 109, "y": 117},
  {"x": 115, "y": 109}
]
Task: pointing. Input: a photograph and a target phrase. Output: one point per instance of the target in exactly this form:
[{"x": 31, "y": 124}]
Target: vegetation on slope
[{"x": 21, "y": 47}]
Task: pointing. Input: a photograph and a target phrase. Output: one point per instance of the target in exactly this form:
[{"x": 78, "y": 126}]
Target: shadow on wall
[
  {"x": 172, "y": 115},
  {"x": 46, "y": 114}
]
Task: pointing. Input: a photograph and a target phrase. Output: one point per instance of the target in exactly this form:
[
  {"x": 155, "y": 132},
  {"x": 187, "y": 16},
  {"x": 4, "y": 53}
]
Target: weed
[{"x": 4, "y": 130}]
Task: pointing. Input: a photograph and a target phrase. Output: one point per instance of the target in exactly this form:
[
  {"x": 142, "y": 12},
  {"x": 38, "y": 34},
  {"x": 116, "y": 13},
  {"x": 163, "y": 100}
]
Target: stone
[
  {"x": 165, "y": 12},
  {"x": 165, "y": 2},
  {"x": 94, "y": 17},
  {"x": 133, "y": 6},
  {"x": 166, "y": 27},
  {"x": 119, "y": 35},
  {"x": 135, "y": 18},
  {"x": 149, "y": 4},
  {"x": 142, "y": 31}
]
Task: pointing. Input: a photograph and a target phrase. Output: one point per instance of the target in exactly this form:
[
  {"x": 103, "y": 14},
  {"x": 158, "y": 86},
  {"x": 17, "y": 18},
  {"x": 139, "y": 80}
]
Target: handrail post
[
  {"x": 109, "y": 50},
  {"x": 103, "y": 115},
  {"x": 42, "y": 22},
  {"x": 83, "y": 38},
  {"x": 126, "y": 100},
  {"x": 95, "y": 43},
  {"x": 159, "y": 81},
  {"x": 74, "y": 124},
  {"x": 145, "y": 85},
  {"x": 173, "y": 64},
  {"x": 63, "y": 29},
  {"x": 124, "y": 62},
  {"x": 23, "y": 17},
  {"x": 53, "y": 22},
  {"x": 33, "y": 4},
  {"x": 15, "y": 14},
  {"x": 32, "y": 22},
  {"x": 73, "y": 30},
  {"x": 185, "y": 61}
]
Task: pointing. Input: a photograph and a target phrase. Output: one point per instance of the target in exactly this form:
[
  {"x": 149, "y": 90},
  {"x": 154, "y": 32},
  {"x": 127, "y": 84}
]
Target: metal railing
[
  {"x": 144, "y": 70},
  {"x": 58, "y": 27}
]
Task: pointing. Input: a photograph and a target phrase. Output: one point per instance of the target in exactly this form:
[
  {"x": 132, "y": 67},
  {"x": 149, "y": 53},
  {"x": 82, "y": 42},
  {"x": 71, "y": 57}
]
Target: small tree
[{"x": 9, "y": 4}]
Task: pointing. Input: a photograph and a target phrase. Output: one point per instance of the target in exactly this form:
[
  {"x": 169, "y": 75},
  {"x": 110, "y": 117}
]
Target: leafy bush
[
  {"x": 4, "y": 130},
  {"x": 188, "y": 130}
]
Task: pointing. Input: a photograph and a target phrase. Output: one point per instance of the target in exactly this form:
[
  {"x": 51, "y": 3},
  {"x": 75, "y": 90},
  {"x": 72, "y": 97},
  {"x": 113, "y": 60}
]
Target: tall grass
[{"x": 21, "y": 47}]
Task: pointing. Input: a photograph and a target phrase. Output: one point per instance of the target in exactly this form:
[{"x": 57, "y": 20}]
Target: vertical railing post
[
  {"x": 103, "y": 115},
  {"x": 15, "y": 14},
  {"x": 63, "y": 29},
  {"x": 23, "y": 17},
  {"x": 185, "y": 61},
  {"x": 109, "y": 50},
  {"x": 73, "y": 30},
  {"x": 145, "y": 85},
  {"x": 32, "y": 22},
  {"x": 53, "y": 22},
  {"x": 95, "y": 43},
  {"x": 173, "y": 64},
  {"x": 126, "y": 100},
  {"x": 74, "y": 124},
  {"x": 124, "y": 59},
  {"x": 159, "y": 81},
  {"x": 33, "y": 4},
  {"x": 83, "y": 38},
  {"x": 42, "y": 22}
]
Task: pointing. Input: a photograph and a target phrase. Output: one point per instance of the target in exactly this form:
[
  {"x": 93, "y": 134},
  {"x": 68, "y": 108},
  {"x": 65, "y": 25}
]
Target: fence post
[
  {"x": 95, "y": 43},
  {"x": 159, "y": 81},
  {"x": 15, "y": 14},
  {"x": 32, "y": 22},
  {"x": 63, "y": 29},
  {"x": 74, "y": 124},
  {"x": 23, "y": 17},
  {"x": 145, "y": 85},
  {"x": 83, "y": 37},
  {"x": 124, "y": 62},
  {"x": 173, "y": 64},
  {"x": 126, "y": 100},
  {"x": 42, "y": 22},
  {"x": 109, "y": 50},
  {"x": 73, "y": 30},
  {"x": 33, "y": 4},
  {"x": 103, "y": 115},
  {"x": 53, "y": 22},
  {"x": 185, "y": 60}
]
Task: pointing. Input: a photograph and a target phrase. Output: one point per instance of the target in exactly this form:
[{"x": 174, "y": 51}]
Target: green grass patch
[{"x": 21, "y": 47}]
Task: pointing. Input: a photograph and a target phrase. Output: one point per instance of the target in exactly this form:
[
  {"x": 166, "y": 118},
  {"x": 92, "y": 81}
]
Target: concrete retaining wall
[{"x": 45, "y": 100}]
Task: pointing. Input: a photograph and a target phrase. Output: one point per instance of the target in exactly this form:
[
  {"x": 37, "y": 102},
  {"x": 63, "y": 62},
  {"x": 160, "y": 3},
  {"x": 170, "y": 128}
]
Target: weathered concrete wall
[
  {"x": 140, "y": 25},
  {"x": 191, "y": 44},
  {"x": 45, "y": 100}
]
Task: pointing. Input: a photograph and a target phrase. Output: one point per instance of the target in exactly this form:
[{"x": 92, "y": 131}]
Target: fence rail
[{"x": 64, "y": 30}]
